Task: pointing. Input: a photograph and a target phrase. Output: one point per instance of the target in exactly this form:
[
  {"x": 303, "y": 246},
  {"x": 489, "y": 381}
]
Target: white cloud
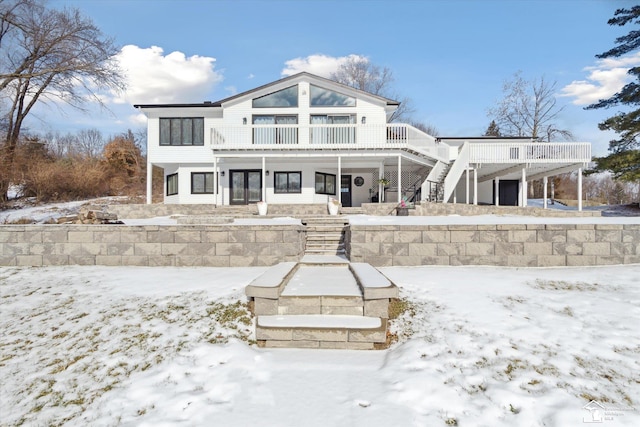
[
  {"x": 138, "y": 119},
  {"x": 251, "y": 76},
  {"x": 231, "y": 89},
  {"x": 321, "y": 65},
  {"x": 605, "y": 79},
  {"x": 153, "y": 77}
]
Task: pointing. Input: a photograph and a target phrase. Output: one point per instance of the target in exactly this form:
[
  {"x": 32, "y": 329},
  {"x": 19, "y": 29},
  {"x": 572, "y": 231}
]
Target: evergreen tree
[
  {"x": 493, "y": 129},
  {"x": 624, "y": 160}
]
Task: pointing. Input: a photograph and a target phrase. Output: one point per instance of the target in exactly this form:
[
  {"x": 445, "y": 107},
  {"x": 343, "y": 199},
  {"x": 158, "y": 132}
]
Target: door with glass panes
[{"x": 245, "y": 186}]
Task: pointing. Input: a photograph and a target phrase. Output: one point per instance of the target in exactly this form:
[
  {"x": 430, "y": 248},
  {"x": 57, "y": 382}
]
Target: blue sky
[{"x": 449, "y": 57}]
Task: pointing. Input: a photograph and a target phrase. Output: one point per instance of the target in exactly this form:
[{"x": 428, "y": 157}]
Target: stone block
[
  {"x": 423, "y": 249},
  {"x": 274, "y": 333},
  {"x": 132, "y": 260},
  {"x": 407, "y": 261},
  {"x": 527, "y": 236},
  {"x": 133, "y": 236},
  {"x": 435, "y": 260},
  {"x": 567, "y": 249},
  {"x": 503, "y": 248},
  {"x": 242, "y": 261},
  {"x": 214, "y": 236},
  {"x": 580, "y": 260},
  {"x": 7, "y": 236},
  {"x": 375, "y": 260},
  {"x": 544, "y": 248},
  {"x": 29, "y": 236},
  {"x": 465, "y": 236},
  {"x": 379, "y": 237},
  {"x": 436, "y": 236},
  {"x": 122, "y": 249},
  {"x": 106, "y": 236},
  {"x": 377, "y": 308},
  {"x": 553, "y": 236},
  {"x": 229, "y": 249},
  {"x": 268, "y": 236},
  {"x": 341, "y": 301},
  {"x": 41, "y": 248},
  {"x": 80, "y": 237},
  {"x": 494, "y": 236},
  {"x": 621, "y": 249},
  {"x": 366, "y": 249},
  {"x": 511, "y": 227},
  {"x": 320, "y": 335},
  {"x": 449, "y": 249},
  {"x": 522, "y": 261},
  {"x": 479, "y": 249},
  {"x": 189, "y": 261},
  {"x": 160, "y": 236},
  {"x": 174, "y": 249},
  {"x": 191, "y": 236},
  {"x": 161, "y": 261},
  {"x": 581, "y": 236},
  {"x": 340, "y": 310},
  {"x": 598, "y": 248},
  {"x": 408, "y": 236},
  {"x": 369, "y": 335},
  {"x": 242, "y": 236},
  {"x": 395, "y": 249},
  {"x": 608, "y": 235},
  {"x": 29, "y": 260},
  {"x": 109, "y": 260},
  {"x": 215, "y": 261},
  {"x": 609, "y": 260},
  {"x": 75, "y": 249},
  {"x": 265, "y": 306},
  {"x": 147, "y": 249},
  {"x": 552, "y": 260},
  {"x": 291, "y": 344},
  {"x": 630, "y": 236},
  {"x": 49, "y": 259}
]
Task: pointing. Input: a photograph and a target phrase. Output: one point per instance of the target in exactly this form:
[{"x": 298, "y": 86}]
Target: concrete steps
[
  {"x": 325, "y": 235},
  {"x": 322, "y": 305}
]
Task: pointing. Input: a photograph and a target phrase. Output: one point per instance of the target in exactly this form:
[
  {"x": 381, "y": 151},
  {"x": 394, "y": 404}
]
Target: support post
[
  {"x": 264, "y": 179},
  {"x": 475, "y": 186},
  {"x": 467, "y": 184},
  {"x": 545, "y": 182},
  {"x": 399, "y": 179},
  {"x": 149, "y": 182},
  {"x": 339, "y": 183},
  {"x": 496, "y": 191},
  {"x": 523, "y": 188},
  {"x": 380, "y": 186},
  {"x": 215, "y": 180},
  {"x": 580, "y": 189}
]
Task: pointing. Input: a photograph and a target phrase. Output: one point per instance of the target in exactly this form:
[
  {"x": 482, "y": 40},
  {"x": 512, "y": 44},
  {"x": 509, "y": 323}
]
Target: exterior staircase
[
  {"x": 313, "y": 304},
  {"x": 325, "y": 235}
]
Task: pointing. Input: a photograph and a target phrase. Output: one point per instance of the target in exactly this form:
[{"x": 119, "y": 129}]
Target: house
[{"x": 304, "y": 139}]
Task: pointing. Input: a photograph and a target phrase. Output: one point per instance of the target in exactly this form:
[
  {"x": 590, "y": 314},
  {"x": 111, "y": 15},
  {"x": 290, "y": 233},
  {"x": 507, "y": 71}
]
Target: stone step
[
  {"x": 320, "y": 331},
  {"x": 322, "y": 304}
]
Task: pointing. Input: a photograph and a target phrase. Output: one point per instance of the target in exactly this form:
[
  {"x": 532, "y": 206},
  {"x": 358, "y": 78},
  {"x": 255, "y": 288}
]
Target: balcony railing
[
  {"x": 315, "y": 137},
  {"x": 530, "y": 152}
]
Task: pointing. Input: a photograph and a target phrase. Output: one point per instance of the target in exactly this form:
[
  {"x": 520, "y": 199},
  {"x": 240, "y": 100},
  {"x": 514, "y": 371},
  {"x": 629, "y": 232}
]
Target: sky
[{"x": 450, "y": 58}]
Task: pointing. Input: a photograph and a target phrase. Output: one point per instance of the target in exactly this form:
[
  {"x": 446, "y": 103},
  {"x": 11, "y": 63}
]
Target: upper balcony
[
  {"x": 328, "y": 137},
  {"x": 530, "y": 152}
]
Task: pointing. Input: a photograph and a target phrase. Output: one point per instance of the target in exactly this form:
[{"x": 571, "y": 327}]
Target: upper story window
[
  {"x": 281, "y": 99},
  {"x": 327, "y": 98},
  {"x": 182, "y": 131}
]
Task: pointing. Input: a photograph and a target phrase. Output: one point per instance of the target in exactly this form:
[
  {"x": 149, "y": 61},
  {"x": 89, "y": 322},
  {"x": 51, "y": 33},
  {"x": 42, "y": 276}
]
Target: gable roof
[{"x": 294, "y": 77}]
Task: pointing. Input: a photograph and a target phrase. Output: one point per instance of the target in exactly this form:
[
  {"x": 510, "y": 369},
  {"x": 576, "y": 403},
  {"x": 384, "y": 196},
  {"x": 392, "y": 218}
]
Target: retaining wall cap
[
  {"x": 319, "y": 321},
  {"x": 274, "y": 276}
]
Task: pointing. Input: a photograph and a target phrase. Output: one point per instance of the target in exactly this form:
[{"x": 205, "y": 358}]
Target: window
[
  {"x": 182, "y": 131},
  {"x": 287, "y": 182},
  {"x": 201, "y": 182},
  {"x": 325, "y": 183},
  {"x": 327, "y": 98},
  {"x": 172, "y": 184},
  {"x": 333, "y": 128},
  {"x": 275, "y": 129},
  {"x": 283, "y": 98}
]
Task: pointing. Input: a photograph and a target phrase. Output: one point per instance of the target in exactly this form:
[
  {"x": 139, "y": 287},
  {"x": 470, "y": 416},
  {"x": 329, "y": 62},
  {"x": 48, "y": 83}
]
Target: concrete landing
[{"x": 320, "y": 280}]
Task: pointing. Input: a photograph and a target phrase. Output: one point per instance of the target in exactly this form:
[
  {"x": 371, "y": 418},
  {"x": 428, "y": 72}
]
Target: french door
[{"x": 246, "y": 186}]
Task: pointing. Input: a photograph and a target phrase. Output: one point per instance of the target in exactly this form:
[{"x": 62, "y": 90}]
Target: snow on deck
[{"x": 313, "y": 281}]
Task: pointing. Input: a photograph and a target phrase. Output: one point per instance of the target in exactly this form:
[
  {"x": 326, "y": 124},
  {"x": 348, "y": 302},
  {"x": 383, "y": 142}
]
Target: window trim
[
  {"x": 168, "y": 178},
  {"x": 253, "y": 105},
  {"x": 288, "y": 191},
  {"x": 325, "y": 176},
  {"x": 193, "y": 174},
  {"x": 179, "y": 143}
]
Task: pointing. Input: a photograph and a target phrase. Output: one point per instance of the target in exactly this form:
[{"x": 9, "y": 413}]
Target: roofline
[
  {"x": 484, "y": 137},
  {"x": 282, "y": 80}
]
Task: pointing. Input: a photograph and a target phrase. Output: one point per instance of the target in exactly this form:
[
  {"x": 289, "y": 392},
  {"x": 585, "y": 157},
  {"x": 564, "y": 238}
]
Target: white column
[
  {"x": 399, "y": 179},
  {"x": 475, "y": 186},
  {"x": 580, "y": 189},
  {"x": 339, "y": 179},
  {"x": 149, "y": 183},
  {"x": 380, "y": 186},
  {"x": 215, "y": 179},
  {"x": 455, "y": 196},
  {"x": 496, "y": 191},
  {"x": 264, "y": 179},
  {"x": 523, "y": 188},
  {"x": 545, "y": 181},
  {"x": 467, "y": 182}
]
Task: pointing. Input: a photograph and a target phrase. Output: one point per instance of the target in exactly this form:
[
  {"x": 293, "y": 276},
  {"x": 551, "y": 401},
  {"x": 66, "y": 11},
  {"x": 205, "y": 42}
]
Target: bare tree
[
  {"x": 427, "y": 128},
  {"x": 48, "y": 55},
  {"x": 360, "y": 73},
  {"x": 529, "y": 108},
  {"x": 90, "y": 143}
]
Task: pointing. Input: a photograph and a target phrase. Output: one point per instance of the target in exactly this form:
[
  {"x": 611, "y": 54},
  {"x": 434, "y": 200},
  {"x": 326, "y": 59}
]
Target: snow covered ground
[{"x": 133, "y": 346}]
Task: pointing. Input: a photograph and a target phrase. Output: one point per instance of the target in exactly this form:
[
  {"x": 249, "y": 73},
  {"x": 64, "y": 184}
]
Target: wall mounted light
[
  {"x": 364, "y": 120},
  {"x": 244, "y": 120},
  {"x": 266, "y": 173},
  {"x": 222, "y": 173}
]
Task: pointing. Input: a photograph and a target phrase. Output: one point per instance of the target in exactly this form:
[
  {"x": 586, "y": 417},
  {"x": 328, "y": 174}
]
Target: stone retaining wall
[
  {"x": 182, "y": 245},
  {"x": 443, "y": 209},
  {"x": 532, "y": 245}
]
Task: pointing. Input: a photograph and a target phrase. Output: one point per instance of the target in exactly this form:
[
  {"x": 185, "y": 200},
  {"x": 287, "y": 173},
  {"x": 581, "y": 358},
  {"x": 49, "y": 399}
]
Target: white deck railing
[
  {"x": 258, "y": 137},
  {"x": 530, "y": 152}
]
